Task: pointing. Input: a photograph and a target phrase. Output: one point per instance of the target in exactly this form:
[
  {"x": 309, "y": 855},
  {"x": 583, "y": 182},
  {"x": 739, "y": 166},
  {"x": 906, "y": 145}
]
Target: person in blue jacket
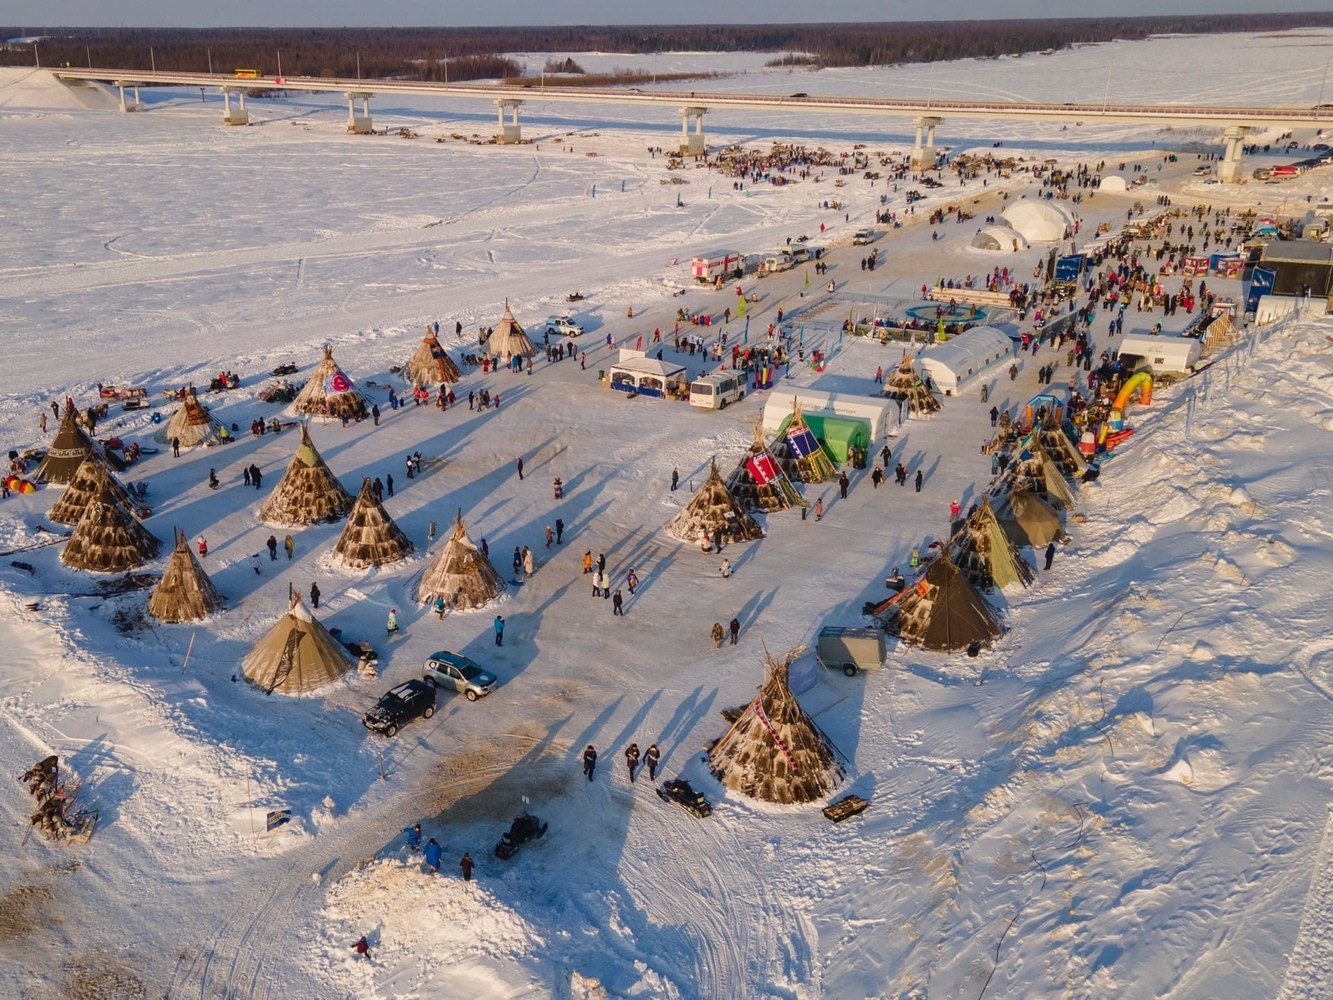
[
  {"x": 413, "y": 836},
  {"x": 432, "y": 853},
  {"x": 499, "y": 631}
]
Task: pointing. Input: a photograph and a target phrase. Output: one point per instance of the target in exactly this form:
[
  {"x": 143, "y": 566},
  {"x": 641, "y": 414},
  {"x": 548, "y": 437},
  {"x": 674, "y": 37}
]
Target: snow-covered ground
[{"x": 1128, "y": 795}]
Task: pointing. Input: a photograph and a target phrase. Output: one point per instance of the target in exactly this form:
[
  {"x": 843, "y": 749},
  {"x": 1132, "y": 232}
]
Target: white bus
[{"x": 713, "y": 392}]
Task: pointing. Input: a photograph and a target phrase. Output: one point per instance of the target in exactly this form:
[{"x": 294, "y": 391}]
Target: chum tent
[
  {"x": 907, "y": 388},
  {"x": 93, "y": 482},
  {"x": 296, "y": 656},
  {"x": 940, "y": 611},
  {"x": 460, "y": 574},
  {"x": 952, "y": 364},
  {"x": 67, "y": 452},
  {"x": 185, "y": 593},
  {"x": 370, "y": 537},
  {"x": 109, "y": 539},
  {"x": 759, "y": 482},
  {"x": 330, "y": 393},
  {"x": 508, "y": 339},
  {"x": 192, "y": 424},
  {"x": 714, "y": 512},
  {"x": 798, "y": 450},
  {"x": 431, "y": 364},
  {"x": 1039, "y": 221},
  {"x": 1028, "y": 519},
  {"x": 774, "y": 751},
  {"x": 985, "y": 553},
  {"x": 308, "y": 493},
  {"x": 1003, "y": 238}
]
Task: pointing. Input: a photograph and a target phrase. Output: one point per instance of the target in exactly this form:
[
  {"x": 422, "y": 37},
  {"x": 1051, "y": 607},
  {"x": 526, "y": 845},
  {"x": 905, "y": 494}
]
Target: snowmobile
[
  {"x": 286, "y": 369},
  {"x": 523, "y": 829},
  {"x": 678, "y": 790}
]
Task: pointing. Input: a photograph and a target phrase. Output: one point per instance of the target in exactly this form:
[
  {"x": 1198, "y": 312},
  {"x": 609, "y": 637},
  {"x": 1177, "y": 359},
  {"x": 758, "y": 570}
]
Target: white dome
[
  {"x": 1039, "y": 221},
  {"x": 1114, "y": 183},
  {"x": 1000, "y": 238}
]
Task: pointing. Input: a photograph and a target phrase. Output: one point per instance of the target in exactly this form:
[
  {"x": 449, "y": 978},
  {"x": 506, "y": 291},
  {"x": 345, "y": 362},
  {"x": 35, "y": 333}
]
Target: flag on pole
[
  {"x": 807, "y": 281},
  {"x": 740, "y": 308}
]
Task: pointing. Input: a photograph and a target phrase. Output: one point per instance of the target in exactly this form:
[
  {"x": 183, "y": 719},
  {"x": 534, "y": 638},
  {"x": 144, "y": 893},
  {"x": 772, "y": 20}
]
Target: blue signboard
[{"x": 1261, "y": 283}]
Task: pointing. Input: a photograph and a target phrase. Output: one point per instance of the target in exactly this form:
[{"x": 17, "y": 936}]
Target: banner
[
  {"x": 763, "y": 468},
  {"x": 802, "y": 442},
  {"x": 278, "y": 817},
  {"x": 1261, "y": 283},
  {"x": 337, "y": 383}
]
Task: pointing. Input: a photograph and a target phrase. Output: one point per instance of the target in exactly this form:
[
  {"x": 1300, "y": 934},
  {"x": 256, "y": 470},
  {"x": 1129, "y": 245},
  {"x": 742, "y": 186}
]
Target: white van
[{"x": 713, "y": 392}]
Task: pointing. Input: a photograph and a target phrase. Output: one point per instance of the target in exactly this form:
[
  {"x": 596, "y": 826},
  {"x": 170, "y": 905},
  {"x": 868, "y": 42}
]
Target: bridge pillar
[
  {"x": 510, "y": 133},
  {"x": 237, "y": 115},
  {"x": 1230, "y": 171},
  {"x": 923, "y": 154},
  {"x": 358, "y": 124},
  {"x": 136, "y": 104},
  {"x": 692, "y": 143}
]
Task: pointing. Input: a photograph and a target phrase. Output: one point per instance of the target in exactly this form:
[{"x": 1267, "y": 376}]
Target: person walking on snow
[
  {"x": 632, "y": 760},
  {"x": 632, "y": 581},
  {"x": 726, "y": 568},
  {"x": 527, "y": 561},
  {"x": 499, "y": 626},
  {"x": 519, "y": 465},
  {"x": 272, "y": 548},
  {"x": 675, "y": 479},
  {"x": 735, "y": 630},
  {"x": 362, "y": 948},
  {"x": 518, "y": 560},
  {"x": 465, "y": 865},
  {"x": 314, "y": 595},
  {"x": 717, "y": 635},
  {"x": 843, "y": 483},
  {"x": 590, "y": 761},
  {"x": 617, "y": 604},
  {"x": 413, "y": 837},
  {"x": 289, "y": 544},
  {"x": 587, "y": 561},
  {"x": 876, "y": 477},
  {"x": 559, "y": 531},
  {"x": 955, "y": 508},
  {"x": 650, "y": 759},
  {"x": 819, "y": 509},
  {"x": 432, "y": 852},
  {"x": 885, "y": 454},
  {"x": 391, "y": 626},
  {"x": 920, "y": 478},
  {"x": 1050, "y": 555},
  {"x": 550, "y": 536},
  {"x": 203, "y": 546}
]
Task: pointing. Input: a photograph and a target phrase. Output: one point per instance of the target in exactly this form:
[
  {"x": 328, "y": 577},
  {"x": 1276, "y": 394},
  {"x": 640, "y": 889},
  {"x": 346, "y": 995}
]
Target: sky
[{"x": 35, "y": 14}]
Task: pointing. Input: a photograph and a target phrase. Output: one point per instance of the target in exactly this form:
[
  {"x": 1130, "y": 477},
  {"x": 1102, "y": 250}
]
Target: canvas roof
[
  {"x": 296, "y": 656},
  {"x": 999, "y": 238},
  {"x": 1038, "y": 221}
]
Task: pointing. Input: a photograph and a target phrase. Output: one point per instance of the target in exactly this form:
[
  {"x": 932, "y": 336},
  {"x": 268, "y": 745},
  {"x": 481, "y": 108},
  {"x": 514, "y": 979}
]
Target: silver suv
[
  {"x": 563, "y": 326},
  {"x": 458, "y": 673}
]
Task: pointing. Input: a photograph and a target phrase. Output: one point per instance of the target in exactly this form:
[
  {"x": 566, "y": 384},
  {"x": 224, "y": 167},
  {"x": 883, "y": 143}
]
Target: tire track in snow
[{"x": 1311, "y": 967}]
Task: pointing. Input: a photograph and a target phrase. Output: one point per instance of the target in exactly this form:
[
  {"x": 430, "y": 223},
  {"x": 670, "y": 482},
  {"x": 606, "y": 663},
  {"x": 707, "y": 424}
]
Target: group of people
[{"x": 650, "y": 759}]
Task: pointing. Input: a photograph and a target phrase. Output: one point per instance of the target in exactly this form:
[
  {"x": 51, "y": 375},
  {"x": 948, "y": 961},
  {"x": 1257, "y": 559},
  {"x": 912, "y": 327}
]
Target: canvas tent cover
[
  {"x": 1039, "y": 221},
  {"x": 878, "y": 415},
  {"x": 297, "y": 655},
  {"x": 965, "y": 356},
  {"x": 999, "y": 238}
]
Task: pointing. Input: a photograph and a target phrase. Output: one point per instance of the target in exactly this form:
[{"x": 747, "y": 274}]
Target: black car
[
  {"x": 401, "y": 705},
  {"x": 523, "y": 829}
]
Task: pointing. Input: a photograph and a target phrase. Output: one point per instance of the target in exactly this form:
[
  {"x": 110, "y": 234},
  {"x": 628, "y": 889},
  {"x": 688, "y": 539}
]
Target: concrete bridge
[{"x": 1235, "y": 121}]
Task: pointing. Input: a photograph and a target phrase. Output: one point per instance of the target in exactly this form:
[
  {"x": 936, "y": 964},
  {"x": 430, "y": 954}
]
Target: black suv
[{"x": 401, "y": 705}]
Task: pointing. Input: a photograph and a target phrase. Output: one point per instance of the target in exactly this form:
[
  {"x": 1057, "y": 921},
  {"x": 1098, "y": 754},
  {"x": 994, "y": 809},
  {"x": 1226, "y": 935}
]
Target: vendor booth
[{"x": 637, "y": 373}]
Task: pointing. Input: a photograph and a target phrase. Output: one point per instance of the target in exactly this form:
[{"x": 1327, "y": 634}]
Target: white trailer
[
  {"x": 708, "y": 267},
  {"x": 1162, "y": 354}
]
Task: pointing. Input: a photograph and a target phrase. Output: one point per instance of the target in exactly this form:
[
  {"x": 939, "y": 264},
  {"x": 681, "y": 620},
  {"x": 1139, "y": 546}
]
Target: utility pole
[
  {"x": 210, "y": 62},
  {"x": 1106, "y": 96},
  {"x": 279, "y": 51},
  {"x": 89, "y": 51},
  {"x": 37, "y": 56},
  {"x": 152, "y": 60},
  {"x": 358, "y": 65}
]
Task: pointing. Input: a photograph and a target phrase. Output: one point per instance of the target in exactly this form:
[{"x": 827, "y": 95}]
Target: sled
[{"x": 845, "y": 807}]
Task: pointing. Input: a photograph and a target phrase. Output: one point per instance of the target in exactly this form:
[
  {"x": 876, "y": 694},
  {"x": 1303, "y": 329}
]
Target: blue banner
[{"x": 1261, "y": 283}]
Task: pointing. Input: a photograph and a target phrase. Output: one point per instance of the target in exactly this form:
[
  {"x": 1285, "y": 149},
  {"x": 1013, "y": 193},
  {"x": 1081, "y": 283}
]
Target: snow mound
[
  {"x": 1242, "y": 501},
  {"x": 41, "y": 90}
]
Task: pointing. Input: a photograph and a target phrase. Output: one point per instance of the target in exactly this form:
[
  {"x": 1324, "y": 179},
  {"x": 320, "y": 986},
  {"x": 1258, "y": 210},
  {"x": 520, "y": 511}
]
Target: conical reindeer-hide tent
[
  {"x": 759, "y": 482},
  {"x": 193, "y": 424},
  {"x": 93, "y": 482},
  {"x": 941, "y": 611},
  {"x": 67, "y": 452},
  {"x": 431, "y": 365},
  {"x": 370, "y": 537},
  {"x": 1028, "y": 519},
  {"x": 185, "y": 593},
  {"x": 774, "y": 751},
  {"x": 109, "y": 539},
  {"x": 330, "y": 393},
  {"x": 308, "y": 493},
  {"x": 907, "y": 388},
  {"x": 508, "y": 340},
  {"x": 714, "y": 511},
  {"x": 799, "y": 452},
  {"x": 296, "y": 656},
  {"x": 985, "y": 553},
  {"x": 460, "y": 574}
]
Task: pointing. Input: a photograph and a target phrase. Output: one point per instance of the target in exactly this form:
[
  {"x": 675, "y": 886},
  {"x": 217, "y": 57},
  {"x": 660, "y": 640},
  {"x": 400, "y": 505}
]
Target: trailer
[
  {"x": 707, "y": 268},
  {"x": 850, "y": 649},
  {"x": 1162, "y": 353}
]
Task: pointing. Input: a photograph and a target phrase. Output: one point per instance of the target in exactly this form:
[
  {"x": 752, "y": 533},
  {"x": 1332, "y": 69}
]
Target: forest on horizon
[{"x": 435, "y": 54}]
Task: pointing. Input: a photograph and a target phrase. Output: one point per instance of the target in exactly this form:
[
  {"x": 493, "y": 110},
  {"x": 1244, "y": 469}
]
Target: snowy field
[{"x": 1126, "y": 796}]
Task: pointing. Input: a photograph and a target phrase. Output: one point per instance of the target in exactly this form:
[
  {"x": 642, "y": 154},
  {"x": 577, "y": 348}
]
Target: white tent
[
  {"x": 1115, "y": 184},
  {"x": 874, "y": 410},
  {"x": 965, "y": 356},
  {"x": 1039, "y": 221},
  {"x": 999, "y": 238},
  {"x": 635, "y": 372}
]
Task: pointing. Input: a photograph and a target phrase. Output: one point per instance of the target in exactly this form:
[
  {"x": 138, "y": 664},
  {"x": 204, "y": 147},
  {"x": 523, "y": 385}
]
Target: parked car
[
  {"x": 399, "y": 706},
  {"x": 863, "y": 237},
  {"x": 563, "y": 326},
  {"x": 1202, "y": 171},
  {"x": 458, "y": 673}
]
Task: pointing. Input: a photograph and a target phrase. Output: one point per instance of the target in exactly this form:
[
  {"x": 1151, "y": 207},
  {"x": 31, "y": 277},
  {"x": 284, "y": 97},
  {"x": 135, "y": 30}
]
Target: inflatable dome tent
[
  {"x": 1000, "y": 238},
  {"x": 1039, "y": 221}
]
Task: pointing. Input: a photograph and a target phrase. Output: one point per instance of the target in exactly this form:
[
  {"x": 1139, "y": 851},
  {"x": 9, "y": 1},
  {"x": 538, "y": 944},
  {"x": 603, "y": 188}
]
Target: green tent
[{"x": 835, "y": 434}]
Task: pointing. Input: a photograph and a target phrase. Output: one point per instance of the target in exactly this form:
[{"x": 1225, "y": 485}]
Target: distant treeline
[{"x": 471, "y": 53}]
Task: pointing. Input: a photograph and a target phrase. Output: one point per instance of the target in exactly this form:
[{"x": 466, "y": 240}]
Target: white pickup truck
[{"x": 563, "y": 326}]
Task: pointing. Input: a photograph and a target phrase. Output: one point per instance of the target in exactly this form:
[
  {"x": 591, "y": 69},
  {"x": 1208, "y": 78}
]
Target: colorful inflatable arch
[{"x": 1140, "y": 382}]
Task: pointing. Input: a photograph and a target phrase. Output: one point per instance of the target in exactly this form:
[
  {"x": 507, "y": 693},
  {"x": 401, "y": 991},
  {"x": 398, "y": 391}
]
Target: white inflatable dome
[
  {"x": 1000, "y": 238},
  {"x": 1115, "y": 184},
  {"x": 1039, "y": 221}
]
